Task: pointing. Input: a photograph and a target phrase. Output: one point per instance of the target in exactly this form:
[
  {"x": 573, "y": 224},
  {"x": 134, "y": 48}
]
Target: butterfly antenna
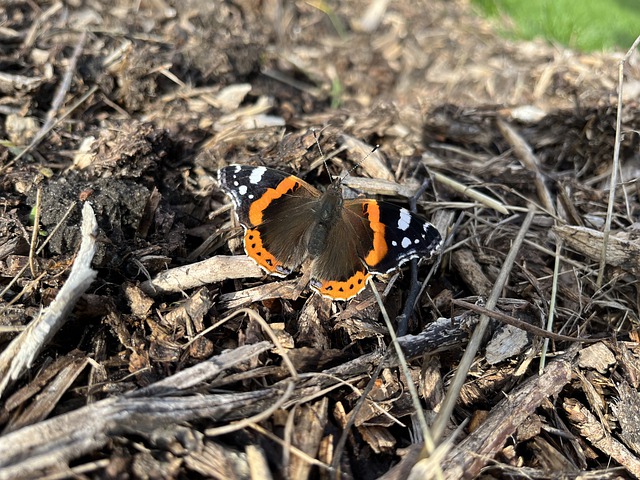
[
  {"x": 360, "y": 162},
  {"x": 324, "y": 159}
]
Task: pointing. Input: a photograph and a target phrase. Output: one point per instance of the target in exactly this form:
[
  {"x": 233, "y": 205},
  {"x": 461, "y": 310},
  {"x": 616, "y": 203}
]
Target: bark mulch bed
[{"x": 136, "y": 341}]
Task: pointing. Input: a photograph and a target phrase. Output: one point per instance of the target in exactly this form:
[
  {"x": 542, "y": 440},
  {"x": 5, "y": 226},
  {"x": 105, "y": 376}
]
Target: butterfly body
[{"x": 288, "y": 222}]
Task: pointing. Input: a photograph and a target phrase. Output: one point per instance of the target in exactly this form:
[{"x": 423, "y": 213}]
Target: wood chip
[
  {"x": 623, "y": 249},
  {"x": 597, "y": 357}
]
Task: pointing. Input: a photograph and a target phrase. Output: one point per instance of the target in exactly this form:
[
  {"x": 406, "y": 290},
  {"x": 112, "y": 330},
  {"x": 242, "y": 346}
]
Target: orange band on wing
[
  {"x": 343, "y": 290},
  {"x": 379, "y": 248},
  {"x": 254, "y": 248},
  {"x": 258, "y": 207}
]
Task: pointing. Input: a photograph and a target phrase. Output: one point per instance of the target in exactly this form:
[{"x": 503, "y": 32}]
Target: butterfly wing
[
  {"x": 371, "y": 238},
  {"x": 275, "y": 210},
  {"x": 339, "y": 271},
  {"x": 397, "y": 235}
]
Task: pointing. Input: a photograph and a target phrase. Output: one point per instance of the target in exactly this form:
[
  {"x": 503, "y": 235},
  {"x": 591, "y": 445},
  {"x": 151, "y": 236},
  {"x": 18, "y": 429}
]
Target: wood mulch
[{"x": 136, "y": 341}]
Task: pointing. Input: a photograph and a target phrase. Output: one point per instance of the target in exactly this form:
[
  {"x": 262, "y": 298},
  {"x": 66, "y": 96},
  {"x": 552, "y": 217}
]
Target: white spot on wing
[
  {"x": 394, "y": 243},
  {"x": 406, "y": 242},
  {"x": 242, "y": 190},
  {"x": 256, "y": 175},
  {"x": 237, "y": 169},
  {"x": 404, "y": 220}
]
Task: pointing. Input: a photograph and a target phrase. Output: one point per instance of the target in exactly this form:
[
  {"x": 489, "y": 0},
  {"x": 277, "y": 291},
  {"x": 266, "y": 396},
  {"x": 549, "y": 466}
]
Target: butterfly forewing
[
  {"x": 246, "y": 184},
  {"x": 288, "y": 217},
  {"x": 271, "y": 206}
]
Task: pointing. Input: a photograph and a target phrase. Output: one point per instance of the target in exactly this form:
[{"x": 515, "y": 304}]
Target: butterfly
[{"x": 288, "y": 222}]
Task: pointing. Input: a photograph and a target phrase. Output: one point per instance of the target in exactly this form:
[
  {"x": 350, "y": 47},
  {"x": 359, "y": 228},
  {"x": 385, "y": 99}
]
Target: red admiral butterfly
[{"x": 287, "y": 221}]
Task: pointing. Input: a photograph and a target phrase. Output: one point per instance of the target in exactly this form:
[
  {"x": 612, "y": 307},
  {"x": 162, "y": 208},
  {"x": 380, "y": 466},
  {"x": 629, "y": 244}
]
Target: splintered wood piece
[
  {"x": 467, "y": 458},
  {"x": 595, "y": 433},
  {"x": 378, "y": 438},
  {"x": 507, "y": 342},
  {"x": 443, "y": 334},
  {"x": 372, "y": 162},
  {"x": 626, "y": 410},
  {"x": 146, "y": 222},
  {"x": 258, "y": 464},
  {"x": 312, "y": 321},
  {"x": 17, "y": 358},
  {"x": 306, "y": 359},
  {"x": 66, "y": 370},
  {"x": 27, "y": 452},
  {"x": 530, "y": 428},
  {"x": 387, "y": 395},
  {"x": 325, "y": 454},
  {"x": 217, "y": 461},
  {"x": 39, "y": 382},
  {"x": 283, "y": 289},
  {"x": 378, "y": 186},
  {"x": 628, "y": 361},
  {"x": 163, "y": 344},
  {"x": 359, "y": 329},
  {"x": 203, "y": 371},
  {"x": 194, "y": 312},
  {"x": 187, "y": 320},
  {"x": 550, "y": 458},
  {"x": 471, "y": 272},
  {"x": 530, "y": 161},
  {"x": 431, "y": 382},
  {"x": 212, "y": 270},
  {"x": 139, "y": 303},
  {"x": 623, "y": 250},
  {"x": 10, "y": 82},
  {"x": 309, "y": 426},
  {"x": 597, "y": 357}
]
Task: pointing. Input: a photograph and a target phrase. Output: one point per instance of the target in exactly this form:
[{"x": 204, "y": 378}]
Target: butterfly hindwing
[{"x": 339, "y": 271}]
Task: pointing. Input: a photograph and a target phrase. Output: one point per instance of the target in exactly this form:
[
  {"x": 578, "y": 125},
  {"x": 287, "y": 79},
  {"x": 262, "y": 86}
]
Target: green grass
[{"x": 587, "y": 25}]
